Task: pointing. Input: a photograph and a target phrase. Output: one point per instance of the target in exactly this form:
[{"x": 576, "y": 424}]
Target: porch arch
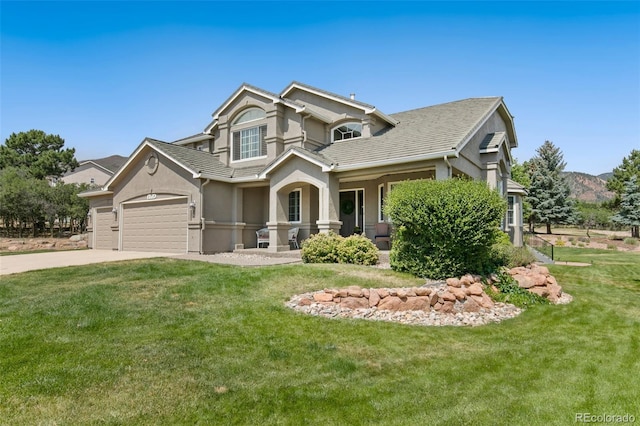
[{"x": 320, "y": 200}]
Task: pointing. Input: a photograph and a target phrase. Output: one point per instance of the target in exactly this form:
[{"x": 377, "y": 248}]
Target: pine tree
[
  {"x": 629, "y": 213},
  {"x": 549, "y": 190}
]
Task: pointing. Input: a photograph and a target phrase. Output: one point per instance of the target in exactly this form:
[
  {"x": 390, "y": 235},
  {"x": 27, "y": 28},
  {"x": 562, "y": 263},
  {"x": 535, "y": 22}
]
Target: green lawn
[{"x": 182, "y": 342}]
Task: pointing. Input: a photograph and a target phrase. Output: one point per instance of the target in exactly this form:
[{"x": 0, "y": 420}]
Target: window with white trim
[
  {"x": 511, "y": 201},
  {"x": 346, "y": 131},
  {"x": 294, "y": 205},
  {"x": 381, "y": 202},
  {"x": 248, "y": 135}
]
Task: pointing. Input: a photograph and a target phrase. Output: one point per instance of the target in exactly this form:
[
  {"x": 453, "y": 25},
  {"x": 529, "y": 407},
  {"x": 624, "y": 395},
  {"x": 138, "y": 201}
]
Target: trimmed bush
[
  {"x": 333, "y": 248},
  {"x": 631, "y": 241},
  {"x": 357, "y": 249},
  {"x": 444, "y": 228},
  {"x": 321, "y": 248}
]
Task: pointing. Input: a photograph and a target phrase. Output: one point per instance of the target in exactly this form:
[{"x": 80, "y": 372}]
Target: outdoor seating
[
  {"x": 383, "y": 234},
  {"x": 263, "y": 237}
]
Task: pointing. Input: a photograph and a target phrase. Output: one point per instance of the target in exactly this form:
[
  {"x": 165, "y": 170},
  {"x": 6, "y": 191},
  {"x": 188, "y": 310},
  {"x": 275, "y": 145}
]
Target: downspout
[
  {"x": 303, "y": 131},
  {"x": 449, "y": 168},
  {"x": 202, "y": 222}
]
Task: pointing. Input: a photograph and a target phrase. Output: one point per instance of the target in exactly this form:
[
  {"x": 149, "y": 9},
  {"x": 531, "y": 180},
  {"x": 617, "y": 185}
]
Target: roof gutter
[
  {"x": 96, "y": 193},
  {"x": 392, "y": 162}
]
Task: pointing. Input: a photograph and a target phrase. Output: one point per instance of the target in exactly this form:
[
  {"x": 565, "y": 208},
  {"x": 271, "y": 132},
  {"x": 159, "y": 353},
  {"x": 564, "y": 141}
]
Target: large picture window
[
  {"x": 294, "y": 205},
  {"x": 249, "y": 141}
]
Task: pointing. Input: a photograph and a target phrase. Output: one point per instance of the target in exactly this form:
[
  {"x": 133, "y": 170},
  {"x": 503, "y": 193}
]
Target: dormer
[{"x": 348, "y": 118}]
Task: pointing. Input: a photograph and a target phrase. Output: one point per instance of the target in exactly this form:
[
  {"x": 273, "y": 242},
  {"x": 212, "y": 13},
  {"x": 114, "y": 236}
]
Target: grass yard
[{"x": 183, "y": 342}]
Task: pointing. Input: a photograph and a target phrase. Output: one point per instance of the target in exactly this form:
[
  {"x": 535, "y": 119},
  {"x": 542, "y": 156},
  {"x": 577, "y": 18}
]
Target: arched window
[
  {"x": 347, "y": 131},
  {"x": 250, "y": 115},
  {"x": 248, "y": 135}
]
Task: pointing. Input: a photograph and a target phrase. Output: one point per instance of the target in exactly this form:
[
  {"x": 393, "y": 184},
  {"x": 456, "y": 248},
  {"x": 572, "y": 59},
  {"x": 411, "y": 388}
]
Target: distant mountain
[
  {"x": 605, "y": 176},
  {"x": 589, "y": 188}
]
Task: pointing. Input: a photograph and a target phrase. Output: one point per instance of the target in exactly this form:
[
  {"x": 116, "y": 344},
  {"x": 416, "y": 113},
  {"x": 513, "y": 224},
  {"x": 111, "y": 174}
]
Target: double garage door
[{"x": 155, "y": 226}]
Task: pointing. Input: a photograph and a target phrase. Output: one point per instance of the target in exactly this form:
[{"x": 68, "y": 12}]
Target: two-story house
[
  {"x": 304, "y": 158},
  {"x": 95, "y": 172}
]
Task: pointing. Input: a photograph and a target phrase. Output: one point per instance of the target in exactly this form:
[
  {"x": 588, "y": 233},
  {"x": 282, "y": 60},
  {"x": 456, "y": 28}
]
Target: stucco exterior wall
[
  {"x": 84, "y": 174},
  {"x": 167, "y": 181},
  {"x": 490, "y": 167},
  {"x": 101, "y": 203}
]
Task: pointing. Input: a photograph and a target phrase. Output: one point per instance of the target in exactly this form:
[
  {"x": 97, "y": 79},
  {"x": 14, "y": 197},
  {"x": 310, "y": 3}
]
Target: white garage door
[{"x": 155, "y": 226}]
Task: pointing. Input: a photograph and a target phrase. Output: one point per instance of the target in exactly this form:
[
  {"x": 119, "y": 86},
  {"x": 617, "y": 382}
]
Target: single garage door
[
  {"x": 155, "y": 226},
  {"x": 102, "y": 229}
]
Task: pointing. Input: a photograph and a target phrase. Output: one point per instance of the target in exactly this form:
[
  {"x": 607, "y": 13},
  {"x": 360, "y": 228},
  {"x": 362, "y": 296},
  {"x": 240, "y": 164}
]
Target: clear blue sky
[{"x": 104, "y": 75}]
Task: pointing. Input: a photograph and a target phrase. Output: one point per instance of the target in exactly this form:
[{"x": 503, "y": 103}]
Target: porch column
[
  {"x": 329, "y": 203},
  {"x": 237, "y": 217},
  {"x": 278, "y": 221}
]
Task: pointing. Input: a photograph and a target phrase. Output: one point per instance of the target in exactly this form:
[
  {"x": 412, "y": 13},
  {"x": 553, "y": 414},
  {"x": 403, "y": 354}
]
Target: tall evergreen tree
[
  {"x": 41, "y": 154},
  {"x": 630, "y": 167},
  {"x": 549, "y": 190},
  {"x": 629, "y": 213}
]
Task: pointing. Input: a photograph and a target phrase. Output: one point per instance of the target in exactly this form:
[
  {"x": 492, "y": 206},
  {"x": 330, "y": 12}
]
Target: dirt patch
[{"x": 607, "y": 240}]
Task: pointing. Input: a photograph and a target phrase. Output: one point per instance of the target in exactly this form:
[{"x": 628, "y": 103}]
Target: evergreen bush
[{"x": 444, "y": 228}]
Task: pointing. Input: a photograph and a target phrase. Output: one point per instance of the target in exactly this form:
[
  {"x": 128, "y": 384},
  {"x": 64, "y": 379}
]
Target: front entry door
[{"x": 351, "y": 211}]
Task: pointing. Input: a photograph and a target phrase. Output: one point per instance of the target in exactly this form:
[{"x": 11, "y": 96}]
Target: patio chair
[
  {"x": 263, "y": 236},
  {"x": 293, "y": 237},
  {"x": 383, "y": 234}
]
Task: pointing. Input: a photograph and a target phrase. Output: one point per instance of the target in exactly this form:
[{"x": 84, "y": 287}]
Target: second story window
[
  {"x": 347, "y": 131},
  {"x": 248, "y": 135}
]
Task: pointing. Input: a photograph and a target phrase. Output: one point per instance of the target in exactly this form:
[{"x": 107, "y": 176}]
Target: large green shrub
[
  {"x": 444, "y": 228},
  {"x": 357, "y": 249},
  {"x": 333, "y": 248},
  {"x": 321, "y": 248}
]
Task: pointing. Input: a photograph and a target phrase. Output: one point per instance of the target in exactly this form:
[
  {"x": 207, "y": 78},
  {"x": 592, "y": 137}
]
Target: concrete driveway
[{"x": 31, "y": 262}]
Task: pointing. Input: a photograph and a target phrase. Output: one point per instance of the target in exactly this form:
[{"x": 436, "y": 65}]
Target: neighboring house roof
[
  {"x": 514, "y": 187},
  {"x": 112, "y": 163},
  {"x": 107, "y": 164},
  {"x": 423, "y": 133}
]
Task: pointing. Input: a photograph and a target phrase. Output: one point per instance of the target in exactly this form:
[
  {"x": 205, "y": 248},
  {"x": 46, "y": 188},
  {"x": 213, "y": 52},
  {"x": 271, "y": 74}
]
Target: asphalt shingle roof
[
  {"x": 111, "y": 163},
  {"x": 423, "y": 131}
]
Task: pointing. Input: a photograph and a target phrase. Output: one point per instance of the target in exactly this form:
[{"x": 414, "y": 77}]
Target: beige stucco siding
[
  {"x": 102, "y": 204},
  {"x": 478, "y": 166},
  {"x": 168, "y": 181},
  {"x": 84, "y": 174}
]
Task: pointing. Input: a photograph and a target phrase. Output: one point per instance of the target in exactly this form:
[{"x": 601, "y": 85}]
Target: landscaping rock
[{"x": 459, "y": 301}]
